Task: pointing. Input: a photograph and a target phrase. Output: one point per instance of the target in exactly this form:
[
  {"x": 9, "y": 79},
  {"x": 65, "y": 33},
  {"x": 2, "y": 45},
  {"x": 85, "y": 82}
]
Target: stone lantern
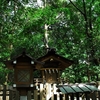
[{"x": 53, "y": 65}]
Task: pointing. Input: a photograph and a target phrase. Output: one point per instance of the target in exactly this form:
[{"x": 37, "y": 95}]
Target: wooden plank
[
  {"x": 93, "y": 96},
  {"x": 61, "y": 96},
  {"x": 87, "y": 96},
  {"x": 52, "y": 92},
  {"x": 32, "y": 94},
  {"x": 42, "y": 96},
  {"x": 35, "y": 95},
  {"x": 52, "y": 98},
  {"x": 58, "y": 96},
  {"x": 98, "y": 95},
  {"x": 29, "y": 95},
  {"x": 47, "y": 92},
  {"x": 4, "y": 92},
  {"x": 55, "y": 97},
  {"x": 54, "y": 89},
  {"x": 72, "y": 96},
  {"x": 77, "y": 96},
  {"x": 38, "y": 92},
  {"x": 66, "y": 97},
  {"x": 10, "y": 95},
  {"x": 17, "y": 95}
]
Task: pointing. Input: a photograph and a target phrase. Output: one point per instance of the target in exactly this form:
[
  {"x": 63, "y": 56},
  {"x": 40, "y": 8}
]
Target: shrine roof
[
  {"x": 52, "y": 57},
  {"x": 79, "y": 88}
]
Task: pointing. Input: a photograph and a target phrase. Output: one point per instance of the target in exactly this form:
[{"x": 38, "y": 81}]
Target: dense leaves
[{"x": 72, "y": 27}]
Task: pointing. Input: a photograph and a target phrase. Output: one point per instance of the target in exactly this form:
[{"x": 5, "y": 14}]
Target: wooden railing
[
  {"x": 45, "y": 92},
  {"x": 8, "y": 93}
]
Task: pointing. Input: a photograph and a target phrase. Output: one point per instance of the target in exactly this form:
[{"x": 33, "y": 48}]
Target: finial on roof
[
  {"x": 51, "y": 50},
  {"x": 23, "y": 51}
]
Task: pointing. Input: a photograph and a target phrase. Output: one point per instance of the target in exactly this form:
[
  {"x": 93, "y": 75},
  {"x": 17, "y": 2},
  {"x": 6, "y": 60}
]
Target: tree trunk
[{"x": 46, "y": 36}]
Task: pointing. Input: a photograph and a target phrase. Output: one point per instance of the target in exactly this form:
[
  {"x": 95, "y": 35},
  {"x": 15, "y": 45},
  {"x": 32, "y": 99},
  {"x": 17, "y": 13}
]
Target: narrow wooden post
[
  {"x": 52, "y": 91},
  {"x": 48, "y": 91},
  {"x": 32, "y": 95},
  {"x": 35, "y": 95},
  {"x": 55, "y": 97},
  {"x": 58, "y": 96},
  {"x": 41, "y": 92},
  {"x": 17, "y": 95},
  {"x": 98, "y": 95},
  {"x": 77, "y": 96},
  {"x": 38, "y": 92},
  {"x": 10, "y": 94},
  {"x": 61, "y": 96},
  {"x": 29, "y": 95},
  {"x": 72, "y": 96},
  {"x": 66, "y": 97},
  {"x": 52, "y": 98},
  {"x": 87, "y": 96},
  {"x": 93, "y": 96},
  {"x": 4, "y": 92}
]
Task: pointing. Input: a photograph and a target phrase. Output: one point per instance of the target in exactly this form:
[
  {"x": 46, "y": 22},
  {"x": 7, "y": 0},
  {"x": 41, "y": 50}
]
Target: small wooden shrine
[
  {"x": 53, "y": 64},
  {"x": 23, "y": 66}
]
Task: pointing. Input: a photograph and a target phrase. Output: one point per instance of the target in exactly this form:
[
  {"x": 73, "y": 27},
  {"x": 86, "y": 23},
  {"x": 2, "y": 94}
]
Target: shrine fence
[{"x": 52, "y": 92}]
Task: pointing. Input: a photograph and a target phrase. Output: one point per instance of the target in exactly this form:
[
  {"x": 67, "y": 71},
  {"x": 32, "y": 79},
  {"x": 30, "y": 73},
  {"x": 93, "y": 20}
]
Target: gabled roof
[
  {"x": 23, "y": 57},
  {"x": 52, "y": 57}
]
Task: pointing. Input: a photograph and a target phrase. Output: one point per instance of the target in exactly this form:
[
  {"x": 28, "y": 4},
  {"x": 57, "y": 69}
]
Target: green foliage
[{"x": 3, "y": 73}]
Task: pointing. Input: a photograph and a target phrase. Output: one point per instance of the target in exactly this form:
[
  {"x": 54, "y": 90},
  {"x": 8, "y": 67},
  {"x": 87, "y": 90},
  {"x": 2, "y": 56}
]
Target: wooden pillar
[
  {"x": 98, "y": 95},
  {"x": 61, "y": 96},
  {"x": 29, "y": 95},
  {"x": 10, "y": 94},
  {"x": 72, "y": 96},
  {"x": 66, "y": 97},
  {"x": 32, "y": 94},
  {"x": 52, "y": 92},
  {"x": 35, "y": 95},
  {"x": 4, "y": 92},
  {"x": 38, "y": 92},
  {"x": 93, "y": 96},
  {"x": 17, "y": 95},
  {"x": 41, "y": 92},
  {"x": 87, "y": 96},
  {"x": 48, "y": 91},
  {"x": 77, "y": 96},
  {"x": 55, "y": 96},
  {"x": 52, "y": 98}
]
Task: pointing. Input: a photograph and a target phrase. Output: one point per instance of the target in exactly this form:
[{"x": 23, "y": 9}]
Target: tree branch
[
  {"x": 90, "y": 15},
  {"x": 86, "y": 19},
  {"x": 90, "y": 19},
  {"x": 76, "y": 7}
]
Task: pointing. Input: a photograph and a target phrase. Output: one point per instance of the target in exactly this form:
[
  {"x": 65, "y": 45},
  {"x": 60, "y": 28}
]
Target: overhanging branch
[{"x": 76, "y": 7}]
